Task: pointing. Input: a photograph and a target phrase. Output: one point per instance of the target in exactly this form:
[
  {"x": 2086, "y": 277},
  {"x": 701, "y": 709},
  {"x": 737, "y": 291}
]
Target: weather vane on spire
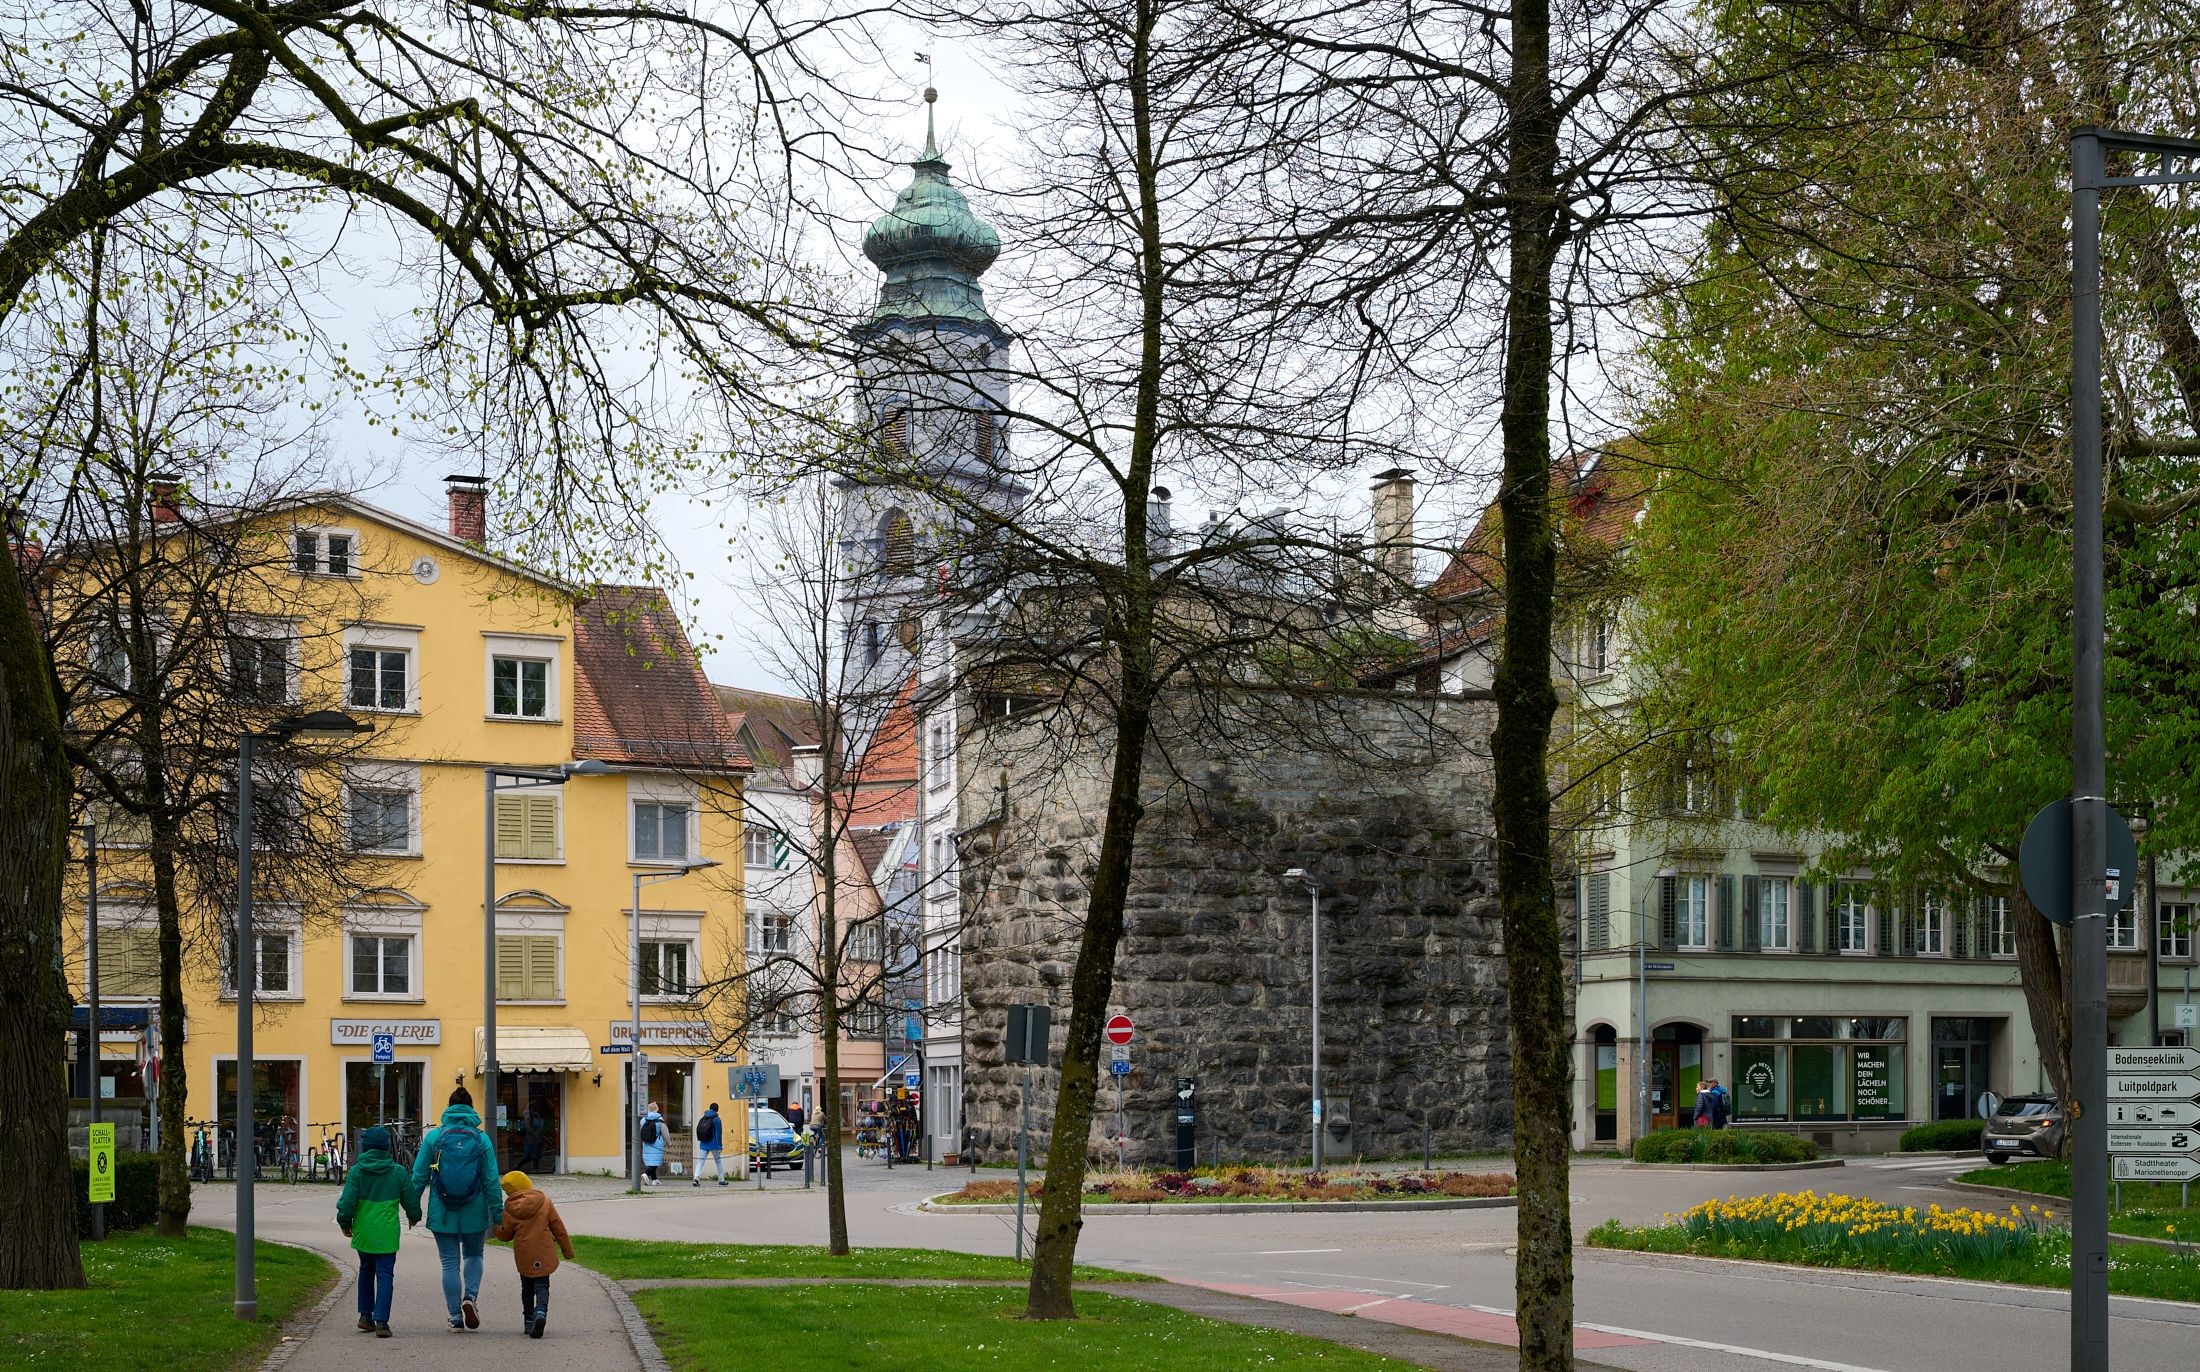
[{"x": 931, "y": 97}]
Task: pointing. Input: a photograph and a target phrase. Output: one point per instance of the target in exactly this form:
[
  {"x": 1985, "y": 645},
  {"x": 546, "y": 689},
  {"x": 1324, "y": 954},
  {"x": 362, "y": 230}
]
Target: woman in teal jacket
[
  {"x": 375, "y": 1189},
  {"x": 457, "y": 1167}
]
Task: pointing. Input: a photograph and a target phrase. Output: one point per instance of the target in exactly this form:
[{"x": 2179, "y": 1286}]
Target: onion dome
[{"x": 930, "y": 246}]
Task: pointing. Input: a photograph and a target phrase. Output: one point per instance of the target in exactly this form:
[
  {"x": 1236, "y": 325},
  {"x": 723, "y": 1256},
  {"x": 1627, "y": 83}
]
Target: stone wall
[{"x": 1384, "y": 800}]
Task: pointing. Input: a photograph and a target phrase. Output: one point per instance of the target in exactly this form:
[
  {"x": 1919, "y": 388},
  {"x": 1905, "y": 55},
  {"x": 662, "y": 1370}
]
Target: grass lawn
[
  {"x": 2150, "y": 1208},
  {"x": 634, "y": 1259},
  {"x": 847, "y": 1329},
  {"x": 155, "y": 1302}
]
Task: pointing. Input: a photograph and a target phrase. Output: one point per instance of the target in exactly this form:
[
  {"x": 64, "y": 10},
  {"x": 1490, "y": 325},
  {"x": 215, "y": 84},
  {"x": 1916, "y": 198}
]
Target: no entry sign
[{"x": 1120, "y": 1029}]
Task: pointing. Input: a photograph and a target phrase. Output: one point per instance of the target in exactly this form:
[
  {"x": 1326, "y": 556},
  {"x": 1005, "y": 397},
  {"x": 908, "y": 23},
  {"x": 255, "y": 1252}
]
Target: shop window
[{"x": 1820, "y": 1068}]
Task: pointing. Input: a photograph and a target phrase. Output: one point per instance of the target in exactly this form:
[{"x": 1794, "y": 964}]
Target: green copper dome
[{"x": 931, "y": 247}]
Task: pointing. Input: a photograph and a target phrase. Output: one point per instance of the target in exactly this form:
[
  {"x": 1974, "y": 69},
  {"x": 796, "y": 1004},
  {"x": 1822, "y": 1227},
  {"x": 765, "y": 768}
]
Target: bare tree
[{"x": 167, "y": 596}]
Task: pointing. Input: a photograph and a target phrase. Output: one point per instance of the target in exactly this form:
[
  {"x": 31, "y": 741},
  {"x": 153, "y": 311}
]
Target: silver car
[{"x": 2024, "y": 1124}]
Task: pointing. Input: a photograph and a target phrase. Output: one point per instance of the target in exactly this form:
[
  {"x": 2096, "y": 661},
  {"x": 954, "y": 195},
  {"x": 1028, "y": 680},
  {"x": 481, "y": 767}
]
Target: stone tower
[{"x": 933, "y": 390}]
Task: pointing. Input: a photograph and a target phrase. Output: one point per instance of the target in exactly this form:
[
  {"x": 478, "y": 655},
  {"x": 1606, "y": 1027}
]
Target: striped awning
[{"x": 536, "y": 1048}]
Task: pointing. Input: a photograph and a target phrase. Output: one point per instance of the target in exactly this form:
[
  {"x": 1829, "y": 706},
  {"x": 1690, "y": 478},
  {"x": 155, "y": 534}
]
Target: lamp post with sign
[{"x": 325, "y": 726}]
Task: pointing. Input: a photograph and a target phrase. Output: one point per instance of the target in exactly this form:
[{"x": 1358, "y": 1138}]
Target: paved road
[{"x": 1668, "y": 1314}]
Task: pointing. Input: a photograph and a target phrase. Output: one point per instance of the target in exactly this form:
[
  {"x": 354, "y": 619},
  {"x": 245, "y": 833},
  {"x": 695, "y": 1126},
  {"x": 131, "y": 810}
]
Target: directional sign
[
  {"x": 2156, "y": 1086},
  {"x": 385, "y": 1048},
  {"x": 1657, "y": 967},
  {"x": 1119, "y": 1052},
  {"x": 100, "y": 1176},
  {"x": 1120, "y": 1029},
  {"x": 616, "y": 1048},
  {"x": 2154, "y": 1059},
  {"x": 2188, "y": 1016},
  {"x": 911, "y": 1080},
  {"x": 2171, "y": 1141},
  {"x": 2129, "y": 1112},
  {"x": 1119, "y": 1067},
  {"x": 756, "y": 1081},
  {"x": 2146, "y": 1168}
]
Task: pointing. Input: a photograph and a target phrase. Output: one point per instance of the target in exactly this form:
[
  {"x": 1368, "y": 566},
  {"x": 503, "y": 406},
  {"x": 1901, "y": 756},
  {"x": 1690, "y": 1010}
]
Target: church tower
[{"x": 933, "y": 389}]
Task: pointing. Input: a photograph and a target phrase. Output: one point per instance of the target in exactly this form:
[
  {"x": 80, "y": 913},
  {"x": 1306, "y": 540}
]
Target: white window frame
[
  {"x": 264, "y": 630},
  {"x": 268, "y": 921},
  {"x": 1850, "y": 906},
  {"x": 385, "y": 638},
  {"x": 2001, "y": 928},
  {"x": 386, "y": 776},
  {"x": 939, "y": 754},
  {"x": 660, "y": 791},
  {"x": 785, "y": 918},
  {"x": 109, "y": 640},
  {"x": 411, "y": 940},
  {"x": 1785, "y": 888},
  {"x": 2170, "y": 942},
  {"x": 321, "y": 535},
  {"x": 1692, "y": 913},
  {"x": 1929, "y": 932},
  {"x": 661, "y": 941},
  {"x": 2123, "y": 929},
  {"x": 751, "y": 834},
  {"x": 547, "y": 649}
]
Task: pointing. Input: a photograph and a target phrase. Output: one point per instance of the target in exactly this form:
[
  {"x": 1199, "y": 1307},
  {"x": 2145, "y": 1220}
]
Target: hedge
[
  {"x": 1943, "y": 1136},
  {"x": 1722, "y": 1146},
  {"x": 137, "y": 1193}
]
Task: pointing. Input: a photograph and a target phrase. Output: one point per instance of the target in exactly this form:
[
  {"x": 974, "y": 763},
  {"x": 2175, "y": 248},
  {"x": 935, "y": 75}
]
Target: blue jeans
[
  {"x": 450, "y": 1247},
  {"x": 377, "y": 1277}
]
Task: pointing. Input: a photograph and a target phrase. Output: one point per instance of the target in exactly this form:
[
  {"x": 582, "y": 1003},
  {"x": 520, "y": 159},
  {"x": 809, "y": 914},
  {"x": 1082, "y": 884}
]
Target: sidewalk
[{"x": 585, "y": 1334}]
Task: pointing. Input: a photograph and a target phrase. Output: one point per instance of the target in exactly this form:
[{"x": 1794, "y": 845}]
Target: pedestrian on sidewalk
[
  {"x": 710, "y": 1144},
  {"x": 653, "y": 1143},
  {"x": 375, "y": 1189},
  {"x": 531, "y": 1225},
  {"x": 456, "y": 1166}
]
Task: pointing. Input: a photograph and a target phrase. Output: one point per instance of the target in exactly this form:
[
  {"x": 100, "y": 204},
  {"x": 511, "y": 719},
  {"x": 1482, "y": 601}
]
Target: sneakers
[
  {"x": 697, "y": 1182},
  {"x": 535, "y": 1328},
  {"x": 366, "y": 1324},
  {"x": 382, "y": 1331},
  {"x": 471, "y": 1315},
  {"x": 458, "y": 1326}
]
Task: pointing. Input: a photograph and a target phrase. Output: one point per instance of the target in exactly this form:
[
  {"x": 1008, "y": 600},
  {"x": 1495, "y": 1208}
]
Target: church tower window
[{"x": 897, "y": 545}]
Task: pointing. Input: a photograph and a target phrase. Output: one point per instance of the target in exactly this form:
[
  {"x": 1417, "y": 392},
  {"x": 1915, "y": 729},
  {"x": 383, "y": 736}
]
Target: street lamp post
[
  {"x": 1314, "y": 901},
  {"x": 318, "y": 726},
  {"x": 644, "y": 877},
  {"x": 523, "y": 778}
]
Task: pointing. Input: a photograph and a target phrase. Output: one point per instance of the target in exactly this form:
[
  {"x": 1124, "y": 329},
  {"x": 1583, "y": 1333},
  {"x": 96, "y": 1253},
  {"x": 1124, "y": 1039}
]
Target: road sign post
[{"x": 100, "y": 1174}]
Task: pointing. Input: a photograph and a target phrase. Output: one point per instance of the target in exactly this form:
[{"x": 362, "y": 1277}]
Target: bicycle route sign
[{"x": 385, "y": 1048}]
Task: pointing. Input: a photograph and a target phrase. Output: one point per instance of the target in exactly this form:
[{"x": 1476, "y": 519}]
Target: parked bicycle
[
  {"x": 326, "y": 1161},
  {"x": 202, "y": 1150},
  {"x": 404, "y": 1140}
]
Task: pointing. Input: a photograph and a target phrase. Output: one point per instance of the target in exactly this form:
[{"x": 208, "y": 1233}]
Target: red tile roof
[
  {"x": 1599, "y": 492},
  {"x": 639, "y": 695}
]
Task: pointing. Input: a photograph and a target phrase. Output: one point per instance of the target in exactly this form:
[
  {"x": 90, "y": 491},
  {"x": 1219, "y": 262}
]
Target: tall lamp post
[
  {"x": 320, "y": 726},
  {"x": 522, "y": 779},
  {"x": 2178, "y": 163},
  {"x": 1314, "y": 921},
  {"x": 647, "y": 876}
]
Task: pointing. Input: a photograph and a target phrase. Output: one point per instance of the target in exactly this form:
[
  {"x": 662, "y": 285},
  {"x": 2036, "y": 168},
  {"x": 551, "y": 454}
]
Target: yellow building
[{"x": 464, "y": 660}]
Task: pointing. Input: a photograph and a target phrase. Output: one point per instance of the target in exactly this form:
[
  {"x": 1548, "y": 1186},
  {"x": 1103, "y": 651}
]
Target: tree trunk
[
  {"x": 1526, "y": 703},
  {"x": 2046, "y": 991},
  {"x": 828, "y": 1003},
  {"x": 1092, "y": 982},
  {"x": 37, "y": 1201},
  {"x": 174, "y": 1172}
]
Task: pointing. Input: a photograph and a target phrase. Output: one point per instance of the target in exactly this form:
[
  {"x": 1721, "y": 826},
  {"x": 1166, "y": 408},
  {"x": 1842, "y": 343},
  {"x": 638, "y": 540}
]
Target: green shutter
[
  {"x": 1887, "y": 929},
  {"x": 1803, "y": 916},
  {"x": 511, "y": 827},
  {"x": 1669, "y": 914},
  {"x": 1600, "y": 911},
  {"x": 1752, "y": 915},
  {"x": 511, "y": 968},
  {"x": 1728, "y": 916},
  {"x": 542, "y": 969},
  {"x": 542, "y": 827}
]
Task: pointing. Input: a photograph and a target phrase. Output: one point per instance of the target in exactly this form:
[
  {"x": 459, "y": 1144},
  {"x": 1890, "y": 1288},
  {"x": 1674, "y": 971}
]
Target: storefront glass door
[
  {"x": 530, "y": 1121},
  {"x": 391, "y": 1094}
]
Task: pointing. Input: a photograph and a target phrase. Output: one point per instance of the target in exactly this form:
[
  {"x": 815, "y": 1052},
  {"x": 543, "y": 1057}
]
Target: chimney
[
  {"x": 469, "y": 507},
  {"x": 162, "y": 504},
  {"x": 1160, "y": 524},
  {"x": 1393, "y": 510}
]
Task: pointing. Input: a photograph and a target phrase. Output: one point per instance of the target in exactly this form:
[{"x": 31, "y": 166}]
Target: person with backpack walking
[
  {"x": 456, "y": 1166},
  {"x": 653, "y": 1143},
  {"x": 375, "y": 1189},
  {"x": 710, "y": 1144},
  {"x": 532, "y": 1226}
]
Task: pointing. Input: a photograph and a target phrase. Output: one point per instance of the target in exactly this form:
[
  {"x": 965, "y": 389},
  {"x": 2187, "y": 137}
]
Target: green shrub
[
  {"x": 1722, "y": 1146},
  {"x": 1943, "y": 1136},
  {"x": 137, "y": 1193}
]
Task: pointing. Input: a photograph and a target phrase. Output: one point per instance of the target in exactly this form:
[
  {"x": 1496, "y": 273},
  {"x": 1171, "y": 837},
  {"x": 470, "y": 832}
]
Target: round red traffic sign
[{"x": 1119, "y": 1029}]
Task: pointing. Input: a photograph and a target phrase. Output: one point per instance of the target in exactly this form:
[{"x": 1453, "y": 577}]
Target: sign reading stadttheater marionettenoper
[{"x": 360, "y": 1033}]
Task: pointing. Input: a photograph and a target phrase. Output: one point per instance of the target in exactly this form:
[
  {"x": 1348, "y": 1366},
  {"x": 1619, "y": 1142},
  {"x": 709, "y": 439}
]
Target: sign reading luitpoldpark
[{"x": 2156, "y": 1090}]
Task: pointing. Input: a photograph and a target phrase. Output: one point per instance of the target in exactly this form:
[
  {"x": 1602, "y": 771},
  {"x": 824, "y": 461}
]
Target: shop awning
[{"x": 537, "y": 1048}]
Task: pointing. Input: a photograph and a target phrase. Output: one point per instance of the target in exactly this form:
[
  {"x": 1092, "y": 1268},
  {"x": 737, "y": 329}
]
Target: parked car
[
  {"x": 2024, "y": 1124},
  {"x": 773, "y": 1141}
]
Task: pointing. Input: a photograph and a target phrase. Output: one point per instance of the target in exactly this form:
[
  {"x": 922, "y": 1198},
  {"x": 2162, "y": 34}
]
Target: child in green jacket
[{"x": 374, "y": 1190}]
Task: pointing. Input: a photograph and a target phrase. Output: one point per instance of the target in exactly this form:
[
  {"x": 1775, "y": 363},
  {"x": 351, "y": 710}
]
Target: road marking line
[
  {"x": 1361, "y": 1276},
  {"x": 1739, "y": 1350},
  {"x": 1285, "y": 1252},
  {"x": 1368, "y": 1305}
]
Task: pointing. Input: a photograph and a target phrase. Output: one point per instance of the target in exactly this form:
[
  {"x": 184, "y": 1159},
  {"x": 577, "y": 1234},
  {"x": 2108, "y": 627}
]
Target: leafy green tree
[{"x": 1855, "y": 575}]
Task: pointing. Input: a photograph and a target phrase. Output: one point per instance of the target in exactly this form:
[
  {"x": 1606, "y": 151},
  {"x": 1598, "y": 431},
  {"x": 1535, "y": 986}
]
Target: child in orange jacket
[{"x": 531, "y": 1225}]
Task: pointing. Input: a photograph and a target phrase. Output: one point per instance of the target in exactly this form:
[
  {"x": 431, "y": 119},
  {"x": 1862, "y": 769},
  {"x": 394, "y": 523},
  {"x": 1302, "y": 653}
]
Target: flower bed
[
  {"x": 1254, "y": 1184},
  {"x": 2023, "y": 1245}
]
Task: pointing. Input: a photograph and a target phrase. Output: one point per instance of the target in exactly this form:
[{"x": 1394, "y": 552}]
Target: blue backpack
[{"x": 457, "y": 1169}]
